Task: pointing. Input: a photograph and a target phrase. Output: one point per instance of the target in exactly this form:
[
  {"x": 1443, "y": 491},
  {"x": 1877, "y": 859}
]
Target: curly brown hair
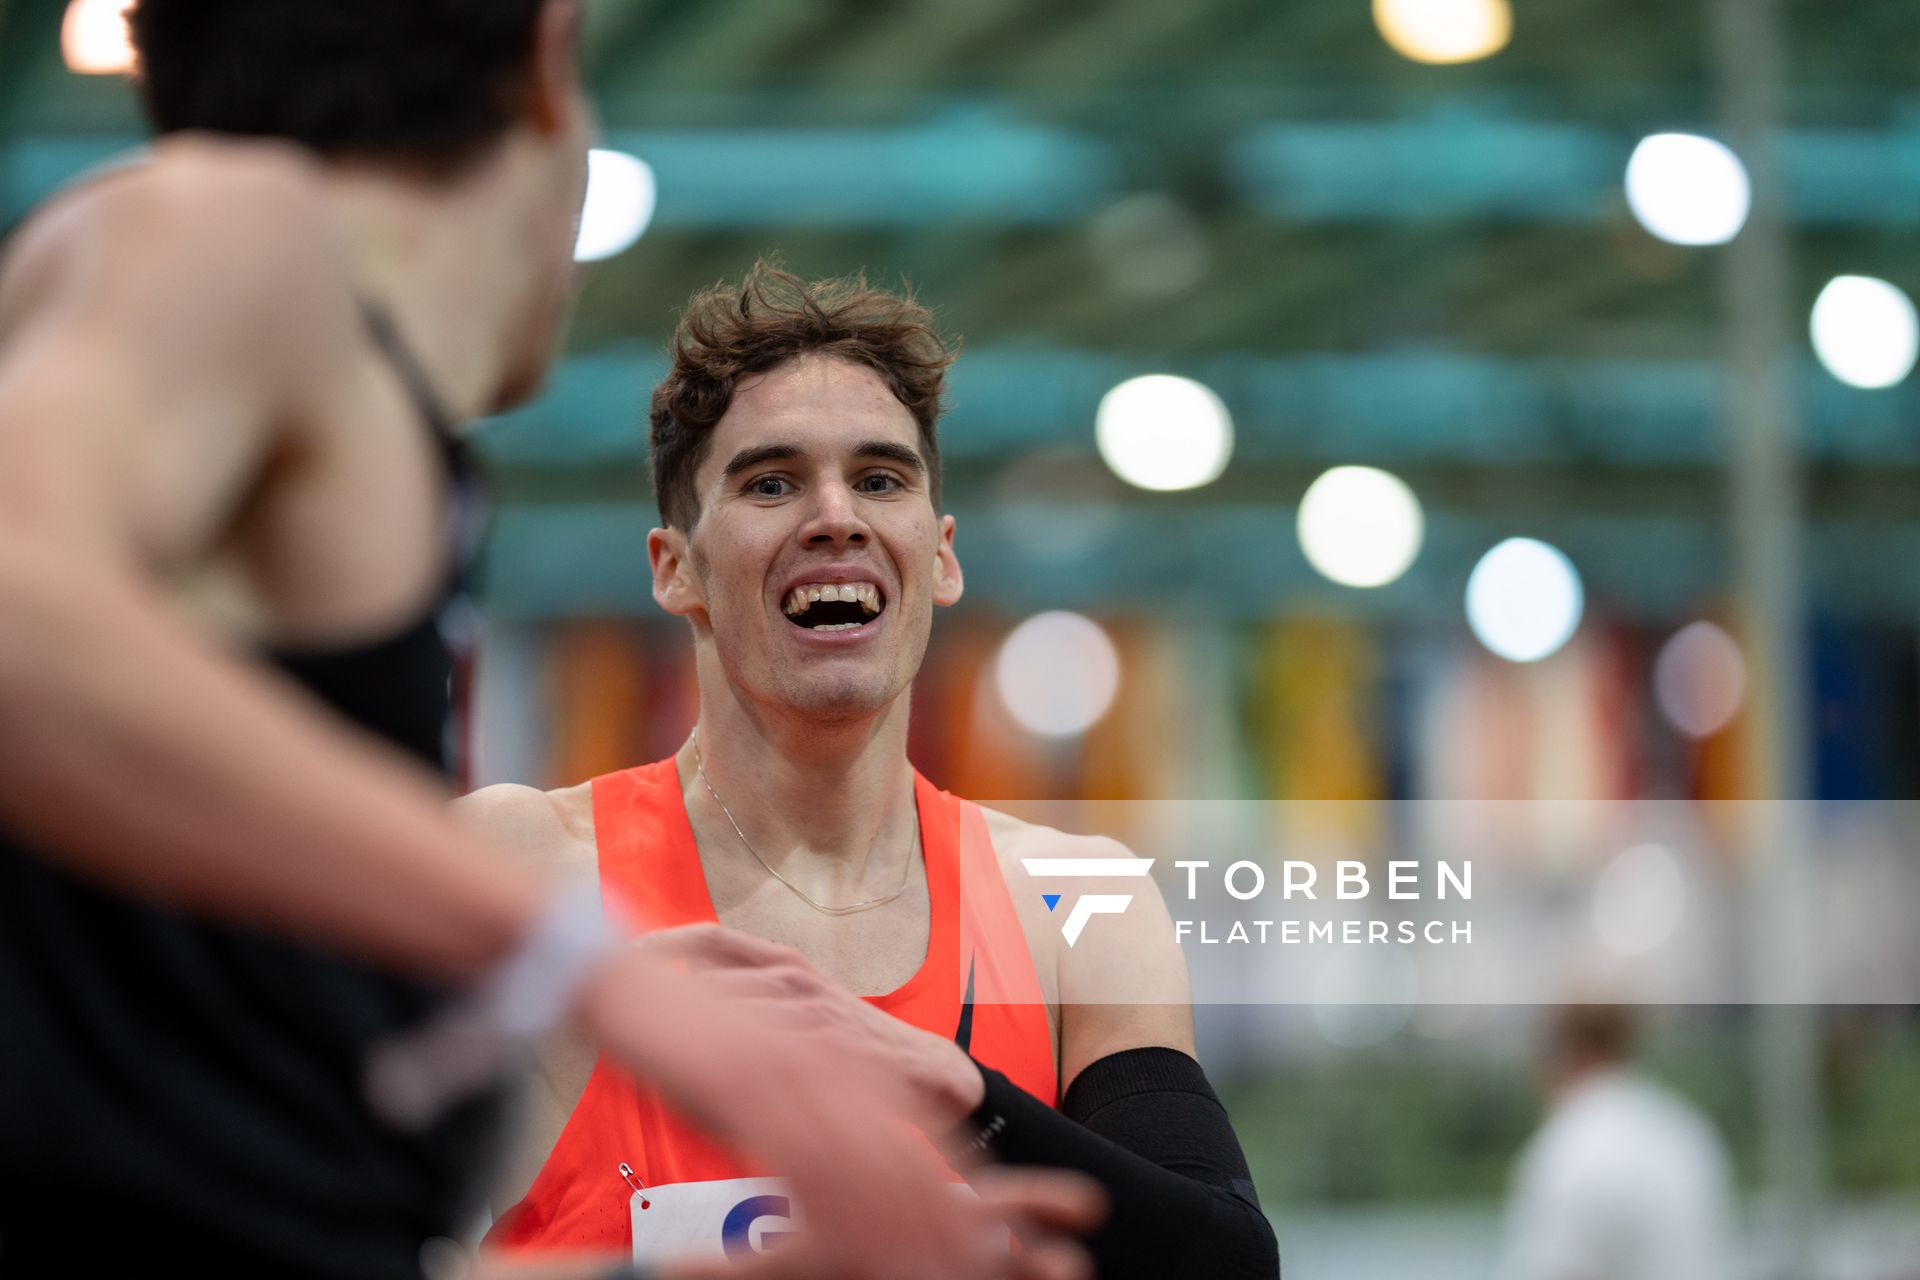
[{"x": 773, "y": 316}]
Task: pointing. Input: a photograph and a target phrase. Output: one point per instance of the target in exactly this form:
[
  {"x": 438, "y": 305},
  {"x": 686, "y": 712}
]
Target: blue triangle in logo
[{"x": 1051, "y": 899}]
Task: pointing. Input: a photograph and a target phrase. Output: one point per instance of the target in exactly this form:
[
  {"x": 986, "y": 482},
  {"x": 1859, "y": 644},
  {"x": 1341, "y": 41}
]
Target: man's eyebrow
[
  {"x": 748, "y": 458},
  {"x": 888, "y": 451},
  {"x": 882, "y": 450}
]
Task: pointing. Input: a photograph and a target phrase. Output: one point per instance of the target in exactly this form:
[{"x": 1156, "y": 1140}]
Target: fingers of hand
[
  {"x": 1042, "y": 1200},
  {"x": 1053, "y": 1260}
]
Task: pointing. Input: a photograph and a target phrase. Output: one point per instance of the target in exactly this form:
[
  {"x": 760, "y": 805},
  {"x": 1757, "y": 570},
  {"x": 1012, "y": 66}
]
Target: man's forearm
[{"x": 136, "y": 754}]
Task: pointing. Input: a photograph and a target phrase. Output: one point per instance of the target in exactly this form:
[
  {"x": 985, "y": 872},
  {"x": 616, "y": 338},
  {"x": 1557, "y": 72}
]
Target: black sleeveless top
[{"x": 179, "y": 1094}]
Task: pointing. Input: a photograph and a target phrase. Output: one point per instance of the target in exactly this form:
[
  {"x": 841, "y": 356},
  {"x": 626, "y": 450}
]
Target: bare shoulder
[
  {"x": 1041, "y": 862},
  {"x": 1024, "y": 851},
  {"x": 196, "y": 223},
  {"x": 1015, "y": 840},
  {"x": 1087, "y": 904},
  {"x": 551, "y": 828},
  {"x": 203, "y": 191}
]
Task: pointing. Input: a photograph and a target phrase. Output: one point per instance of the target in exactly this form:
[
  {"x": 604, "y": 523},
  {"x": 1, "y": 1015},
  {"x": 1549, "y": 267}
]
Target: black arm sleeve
[{"x": 1149, "y": 1127}]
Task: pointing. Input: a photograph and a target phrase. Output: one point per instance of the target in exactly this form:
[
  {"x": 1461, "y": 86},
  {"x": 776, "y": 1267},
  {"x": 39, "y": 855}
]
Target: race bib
[
  {"x": 710, "y": 1221},
  {"x": 730, "y": 1218}
]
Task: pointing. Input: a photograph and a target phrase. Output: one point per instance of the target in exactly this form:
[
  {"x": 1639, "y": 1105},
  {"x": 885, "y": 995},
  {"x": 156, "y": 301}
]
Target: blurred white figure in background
[{"x": 1625, "y": 1179}]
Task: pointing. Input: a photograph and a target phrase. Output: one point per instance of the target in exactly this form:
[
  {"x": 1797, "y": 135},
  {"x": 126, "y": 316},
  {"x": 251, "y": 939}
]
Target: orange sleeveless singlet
[{"x": 977, "y": 985}]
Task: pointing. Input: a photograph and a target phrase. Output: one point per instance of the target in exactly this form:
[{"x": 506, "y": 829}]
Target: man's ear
[
  {"x": 676, "y": 587},
  {"x": 553, "y": 85},
  {"x": 948, "y": 583}
]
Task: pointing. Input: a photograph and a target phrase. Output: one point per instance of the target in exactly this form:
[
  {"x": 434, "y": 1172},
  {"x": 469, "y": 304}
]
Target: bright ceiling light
[
  {"x": 1360, "y": 526},
  {"x": 1057, "y": 674},
  {"x": 620, "y": 199},
  {"x": 1444, "y": 31},
  {"x": 1164, "y": 432},
  {"x": 1699, "y": 679},
  {"x": 94, "y": 39},
  {"x": 1524, "y": 600},
  {"x": 1687, "y": 189},
  {"x": 1865, "y": 331}
]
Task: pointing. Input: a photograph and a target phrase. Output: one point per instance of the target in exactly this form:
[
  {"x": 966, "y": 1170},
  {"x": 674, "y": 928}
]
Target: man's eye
[
  {"x": 769, "y": 486},
  {"x": 879, "y": 482}
]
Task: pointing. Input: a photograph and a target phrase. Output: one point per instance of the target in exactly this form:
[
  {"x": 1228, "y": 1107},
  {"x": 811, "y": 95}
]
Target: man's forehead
[
  {"x": 810, "y": 384},
  {"x": 817, "y": 404}
]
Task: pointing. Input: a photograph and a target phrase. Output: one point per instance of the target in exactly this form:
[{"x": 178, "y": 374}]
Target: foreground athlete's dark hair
[
  {"x": 426, "y": 82},
  {"x": 769, "y": 318}
]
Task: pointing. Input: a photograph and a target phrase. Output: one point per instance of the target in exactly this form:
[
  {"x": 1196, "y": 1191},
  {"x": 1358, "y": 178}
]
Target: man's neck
[
  {"x": 428, "y": 253},
  {"x": 804, "y": 794}
]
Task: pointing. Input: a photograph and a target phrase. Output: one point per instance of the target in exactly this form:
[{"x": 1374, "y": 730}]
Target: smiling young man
[{"x": 798, "y": 857}]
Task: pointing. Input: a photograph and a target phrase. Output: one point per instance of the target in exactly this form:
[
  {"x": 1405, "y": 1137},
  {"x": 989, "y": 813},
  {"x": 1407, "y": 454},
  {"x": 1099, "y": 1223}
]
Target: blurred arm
[{"x": 139, "y": 400}]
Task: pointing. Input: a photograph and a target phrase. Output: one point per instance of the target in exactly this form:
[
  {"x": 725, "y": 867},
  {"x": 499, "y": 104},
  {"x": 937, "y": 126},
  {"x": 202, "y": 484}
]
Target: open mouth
[{"x": 833, "y": 606}]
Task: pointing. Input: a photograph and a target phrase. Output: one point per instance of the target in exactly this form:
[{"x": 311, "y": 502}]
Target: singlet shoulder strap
[
  {"x": 394, "y": 348},
  {"x": 645, "y": 845}
]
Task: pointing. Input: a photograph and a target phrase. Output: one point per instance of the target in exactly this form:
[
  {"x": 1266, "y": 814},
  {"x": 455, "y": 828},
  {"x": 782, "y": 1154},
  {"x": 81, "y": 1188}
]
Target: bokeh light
[
  {"x": 1687, "y": 189},
  {"x": 1524, "y": 600},
  {"x": 1639, "y": 900},
  {"x": 1163, "y": 432},
  {"x": 1699, "y": 679},
  {"x": 1057, "y": 673},
  {"x": 94, "y": 39},
  {"x": 1148, "y": 246},
  {"x": 1360, "y": 526},
  {"x": 620, "y": 200},
  {"x": 1444, "y": 31},
  {"x": 1865, "y": 331}
]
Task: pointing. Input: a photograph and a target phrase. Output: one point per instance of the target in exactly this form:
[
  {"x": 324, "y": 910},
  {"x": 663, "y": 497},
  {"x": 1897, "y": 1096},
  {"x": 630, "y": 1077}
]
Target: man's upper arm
[
  {"x": 175, "y": 323},
  {"x": 530, "y": 824},
  {"x": 1123, "y": 984},
  {"x": 537, "y": 828}
]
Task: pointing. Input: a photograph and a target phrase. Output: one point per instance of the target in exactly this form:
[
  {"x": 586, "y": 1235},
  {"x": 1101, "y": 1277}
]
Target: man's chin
[{"x": 832, "y": 701}]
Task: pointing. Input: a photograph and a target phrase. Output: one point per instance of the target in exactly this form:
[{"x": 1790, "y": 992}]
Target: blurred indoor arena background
[{"x": 1423, "y": 400}]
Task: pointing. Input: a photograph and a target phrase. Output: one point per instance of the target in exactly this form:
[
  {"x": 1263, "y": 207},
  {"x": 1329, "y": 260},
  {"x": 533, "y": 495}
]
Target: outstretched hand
[
  {"x": 778, "y": 987},
  {"x": 772, "y": 1062}
]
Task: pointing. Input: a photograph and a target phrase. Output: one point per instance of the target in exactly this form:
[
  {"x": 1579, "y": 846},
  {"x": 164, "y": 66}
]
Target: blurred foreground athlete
[
  {"x": 797, "y": 469},
  {"x": 257, "y": 990}
]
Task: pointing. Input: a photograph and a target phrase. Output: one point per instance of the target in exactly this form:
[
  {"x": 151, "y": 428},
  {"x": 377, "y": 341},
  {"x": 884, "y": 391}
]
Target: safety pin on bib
[{"x": 628, "y": 1176}]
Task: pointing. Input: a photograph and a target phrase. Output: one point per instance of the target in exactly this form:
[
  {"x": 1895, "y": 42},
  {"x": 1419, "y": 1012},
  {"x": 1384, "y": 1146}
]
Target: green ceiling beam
[{"x": 1428, "y": 405}]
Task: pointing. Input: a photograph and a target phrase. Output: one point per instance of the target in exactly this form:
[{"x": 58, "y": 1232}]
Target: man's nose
[{"x": 835, "y": 520}]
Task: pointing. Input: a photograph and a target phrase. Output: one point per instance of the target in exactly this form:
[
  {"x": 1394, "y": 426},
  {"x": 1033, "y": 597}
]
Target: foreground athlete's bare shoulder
[
  {"x": 202, "y": 235},
  {"x": 553, "y": 829},
  {"x": 165, "y": 328}
]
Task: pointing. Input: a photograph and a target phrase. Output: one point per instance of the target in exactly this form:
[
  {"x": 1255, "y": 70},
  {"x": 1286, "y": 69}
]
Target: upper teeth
[{"x": 865, "y": 594}]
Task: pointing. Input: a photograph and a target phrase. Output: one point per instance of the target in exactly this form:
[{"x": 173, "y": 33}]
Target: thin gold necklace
[{"x": 906, "y": 871}]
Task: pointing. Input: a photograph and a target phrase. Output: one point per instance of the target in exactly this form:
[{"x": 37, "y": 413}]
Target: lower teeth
[{"x": 838, "y": 626}]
